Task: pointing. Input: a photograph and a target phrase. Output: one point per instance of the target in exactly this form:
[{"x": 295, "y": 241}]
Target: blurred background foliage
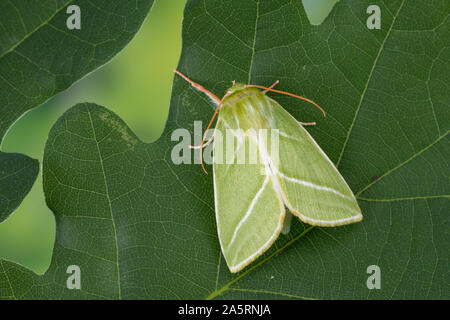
[{"x": 136, "y": 85}]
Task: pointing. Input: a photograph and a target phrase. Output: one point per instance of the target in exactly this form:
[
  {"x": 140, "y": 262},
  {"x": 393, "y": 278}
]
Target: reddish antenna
[
  {"x": 286, "y": 93},
  {"x": 198, "y": 87},
  {"x": 214, "y": 98}
]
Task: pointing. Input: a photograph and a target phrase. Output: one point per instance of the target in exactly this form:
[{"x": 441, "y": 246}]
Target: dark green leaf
[
  {"x": 141, "y": 227},
  {"x": 40, "y": 57},
  {"x": 17, "y": 174}
]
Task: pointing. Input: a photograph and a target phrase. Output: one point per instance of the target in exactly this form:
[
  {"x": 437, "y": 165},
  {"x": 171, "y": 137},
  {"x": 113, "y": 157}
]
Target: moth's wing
[
  {"x": 312, "y": 188},
  {"x": 249, "y": 212}
]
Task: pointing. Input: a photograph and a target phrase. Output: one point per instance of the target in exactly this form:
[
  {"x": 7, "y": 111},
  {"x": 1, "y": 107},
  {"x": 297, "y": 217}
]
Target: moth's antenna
[
  {"x": 273, "y": 85},
  {"x": 200, "y": 88},
  {"x": 214, "y": 98},
  {"x": 286, "y": 93}
]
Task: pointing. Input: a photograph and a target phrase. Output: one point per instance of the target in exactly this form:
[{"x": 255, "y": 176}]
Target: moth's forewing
[{"x": 313, "y": 189}]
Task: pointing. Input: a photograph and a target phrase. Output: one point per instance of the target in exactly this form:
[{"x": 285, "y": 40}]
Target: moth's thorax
[{"x": 246, "y": 104}]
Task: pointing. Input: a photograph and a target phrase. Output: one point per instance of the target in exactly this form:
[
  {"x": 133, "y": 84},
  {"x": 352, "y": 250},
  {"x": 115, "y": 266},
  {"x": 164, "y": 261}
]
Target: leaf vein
[{"x": 369, "y": 78}]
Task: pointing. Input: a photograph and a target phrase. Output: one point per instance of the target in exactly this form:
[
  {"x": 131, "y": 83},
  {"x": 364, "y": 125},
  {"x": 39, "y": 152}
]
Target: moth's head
[{"x": 236, "y": 87}]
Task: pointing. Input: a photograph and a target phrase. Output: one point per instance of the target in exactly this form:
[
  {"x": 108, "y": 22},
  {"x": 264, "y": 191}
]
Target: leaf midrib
[
  {"x": 369, "y": 78},
  {"x": 252, "y": 58},
  {"x": 109, "y": 204}
]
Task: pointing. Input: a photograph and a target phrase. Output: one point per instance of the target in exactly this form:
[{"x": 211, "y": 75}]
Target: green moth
[{"x": 251, "y": 199}]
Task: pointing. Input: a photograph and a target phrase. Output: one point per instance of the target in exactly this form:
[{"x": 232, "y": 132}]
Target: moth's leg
[
  {"x": 219, "y": 105},
  {"x": 273, "y": 85},
  {"x": 212, "y": 137},
  {"x": 287, "y": 223},
  {"x": 204, "y": 145},
  {"x": 306, "y": 123}
]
